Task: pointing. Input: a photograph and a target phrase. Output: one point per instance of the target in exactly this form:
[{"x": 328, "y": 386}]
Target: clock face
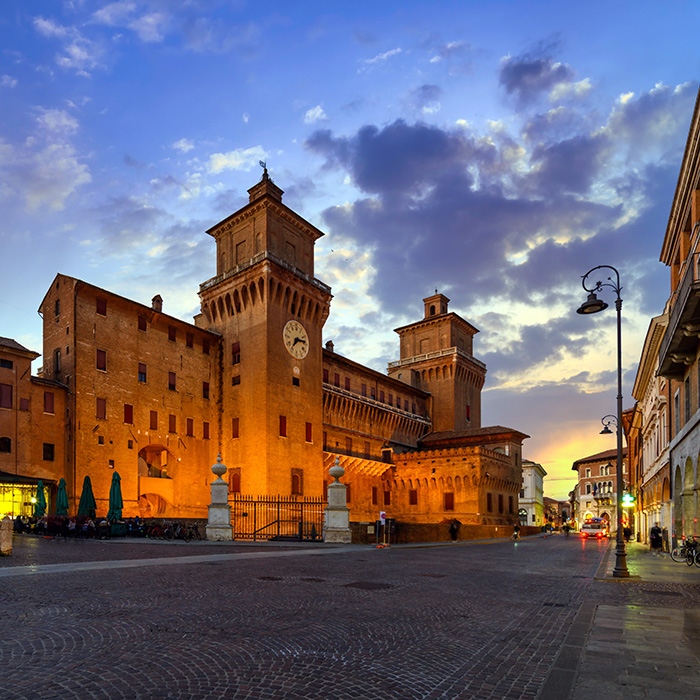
[{"x": 296, "y": 339}]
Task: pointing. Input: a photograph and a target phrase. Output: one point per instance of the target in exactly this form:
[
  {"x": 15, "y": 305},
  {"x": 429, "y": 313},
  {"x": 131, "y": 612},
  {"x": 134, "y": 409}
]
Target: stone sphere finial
[
  {"x": 219, "y": 469},
  {"x": 336, "y": 471}
]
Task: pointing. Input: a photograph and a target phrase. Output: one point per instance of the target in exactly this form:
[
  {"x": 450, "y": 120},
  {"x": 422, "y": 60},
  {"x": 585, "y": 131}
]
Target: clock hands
[{"x": 298, "y": 340}]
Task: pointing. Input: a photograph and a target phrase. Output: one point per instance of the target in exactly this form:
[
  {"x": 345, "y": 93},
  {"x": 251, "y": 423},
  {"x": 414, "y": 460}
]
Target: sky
[{"x": 494, "y": 151}]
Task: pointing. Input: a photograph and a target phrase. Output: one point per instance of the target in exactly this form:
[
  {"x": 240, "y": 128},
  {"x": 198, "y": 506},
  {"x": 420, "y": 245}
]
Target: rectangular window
[
  {"x": 368, "y": 453},
  {"x": 234, "y": 479},
  {"x": 381, "y": 396},
  {"x": 172, "y": 423},
  {"x": 6, "y": 364},
  {"x": 57, "y": 360},
  {"x": 336, "y": 379},
  {"x": 295, "y": 381},
  {"x": 100, "y": 439},
  {"x": 142, "y": 372},
  {"x": 189, "y": 340},
  {"x": 190, "y": 427},
  {"x": 510, "y": 505},
  {"x": 413, "y": 408},
  {"x": 405, "y": 405},
  {"x": 24, "y": 404},
  {"x": 101, "y": 408},
  {"x": 468, "y": 412},
  {"x": 413, "y": 497},
  {"x": 172, "y": 333},
  {"x": 235, "y": 428},
  {"x": 101, "y": 361},
  {"x": 391, "y": 399},
  {"x": 309, "y": 433},
  {"x": 235, "y": 353},
  {"x": 57, "y": 307},
  {"x": 205, "y": 346},
  {"x": 489, "y": 503},
  {"x": 677, "y": 410},
  {"x": 448, "y": 500},
  {"x": 325, "y": 376},
  {"x": 154, "y": 420},
  {"x": 347, "y": 383},
  {"x": 387, "y": 498},
  {"x": 5, "y": 444},
  {"x": 236, "y": 380},
  {"x": 172, "y": 381},
  {"x": 500, "y": 502},
  {"x": 48, "y": 452},
  {"x": 686, "y": 397},
  {"x": 283, "y": 426},
  {"x": 128, "y": 414},
  {"x": 364, "y": 390},
  {"x": 101, "y": 306},
  {"x": 48, "y": 402},
  {"x": 143, "y": 323},
  {"x": 348, "y": 446},
  {"x": 375, "y": 496},
  {"x": 205, "y": 430},
  {"x": 372, "y": 393},
  {"x": 205, "y": 390}
]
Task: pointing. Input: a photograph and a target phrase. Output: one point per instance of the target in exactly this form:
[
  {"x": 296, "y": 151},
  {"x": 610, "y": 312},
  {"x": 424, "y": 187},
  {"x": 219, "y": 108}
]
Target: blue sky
[{"x": 494, "y": 151}]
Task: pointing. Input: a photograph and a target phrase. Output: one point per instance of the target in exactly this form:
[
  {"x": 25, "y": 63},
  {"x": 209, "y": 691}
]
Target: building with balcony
[
  {"x": 679, "y": 351},
  {"x": 532, "y": 494}
]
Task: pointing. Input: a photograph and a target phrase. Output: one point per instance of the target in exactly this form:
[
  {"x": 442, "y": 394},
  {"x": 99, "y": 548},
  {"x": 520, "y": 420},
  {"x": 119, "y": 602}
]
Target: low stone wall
[{"x": 405, "y": 533}]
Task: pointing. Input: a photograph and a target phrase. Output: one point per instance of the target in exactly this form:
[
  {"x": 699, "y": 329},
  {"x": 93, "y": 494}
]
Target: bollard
[{"x": 6, "y": 536}]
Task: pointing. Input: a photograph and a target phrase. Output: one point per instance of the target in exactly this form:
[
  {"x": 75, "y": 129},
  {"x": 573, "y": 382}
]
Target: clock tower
[{"x": 269, "y": 310}]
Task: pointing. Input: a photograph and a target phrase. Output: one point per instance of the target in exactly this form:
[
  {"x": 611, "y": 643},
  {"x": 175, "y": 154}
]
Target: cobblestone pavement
[{"x": 499, "y": 620}]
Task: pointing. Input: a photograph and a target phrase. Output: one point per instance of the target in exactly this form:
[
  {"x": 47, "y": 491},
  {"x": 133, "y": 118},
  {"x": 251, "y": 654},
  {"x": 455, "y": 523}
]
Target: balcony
[{"x": 680, "y": 343}]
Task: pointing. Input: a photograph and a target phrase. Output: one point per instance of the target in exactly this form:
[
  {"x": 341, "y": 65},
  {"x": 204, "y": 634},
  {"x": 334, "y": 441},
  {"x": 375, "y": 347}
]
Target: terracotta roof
[
  {"x": 599, "y": 457},
  {"x": 13, "y": 345}
]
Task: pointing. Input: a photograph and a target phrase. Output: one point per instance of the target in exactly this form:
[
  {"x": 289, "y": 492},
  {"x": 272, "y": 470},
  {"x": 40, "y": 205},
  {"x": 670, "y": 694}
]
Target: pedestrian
[
  {"x": 516, "y": 533},
  {"x": 655, "y": 539},
  {"x": 627, "y": 532},
  {"x": 454, "y": 529}
]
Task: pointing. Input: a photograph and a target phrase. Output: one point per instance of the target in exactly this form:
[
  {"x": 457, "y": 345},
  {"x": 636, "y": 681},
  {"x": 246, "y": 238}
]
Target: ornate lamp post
[{"x": 591, "y": 306}]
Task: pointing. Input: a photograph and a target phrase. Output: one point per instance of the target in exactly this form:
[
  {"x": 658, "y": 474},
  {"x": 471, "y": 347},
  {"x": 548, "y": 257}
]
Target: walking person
[
  {"x": 655, "y": 539},
  {"x": 516, "y": 533}
]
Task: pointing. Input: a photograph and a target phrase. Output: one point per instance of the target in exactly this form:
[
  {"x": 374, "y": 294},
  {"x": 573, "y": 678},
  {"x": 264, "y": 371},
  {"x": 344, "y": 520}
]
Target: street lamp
[
  {"x": 591, "y": 306},
  {"x": 607, "y": 421}
]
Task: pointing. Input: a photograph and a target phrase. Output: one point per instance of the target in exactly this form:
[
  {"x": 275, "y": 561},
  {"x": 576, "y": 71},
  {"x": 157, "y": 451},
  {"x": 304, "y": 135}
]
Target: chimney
[
  {"x": 157, "y": 303},
  {"x": 329, "y": 346}
]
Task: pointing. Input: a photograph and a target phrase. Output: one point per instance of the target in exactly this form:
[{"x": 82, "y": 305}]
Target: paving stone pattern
[{"x": 470, "y": 620}]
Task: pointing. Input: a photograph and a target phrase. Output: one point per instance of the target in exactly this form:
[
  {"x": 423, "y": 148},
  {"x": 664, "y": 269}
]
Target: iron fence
[{"x": 277, "y": 517}]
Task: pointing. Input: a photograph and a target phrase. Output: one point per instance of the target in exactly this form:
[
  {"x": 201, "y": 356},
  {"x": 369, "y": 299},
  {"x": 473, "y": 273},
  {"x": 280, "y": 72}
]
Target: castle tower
[
  {"x": 436, "y": 356},
  {"x": 269, "y": 310}
]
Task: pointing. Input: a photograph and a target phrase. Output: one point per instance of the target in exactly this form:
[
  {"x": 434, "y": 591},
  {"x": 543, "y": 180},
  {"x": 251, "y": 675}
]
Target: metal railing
[{"x": 277, "y": 517}]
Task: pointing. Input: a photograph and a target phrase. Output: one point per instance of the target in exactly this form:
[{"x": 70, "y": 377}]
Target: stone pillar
[
  {"x": 336, "y": 525},
  {"x": 219, "y": 523},
  {"x": 6, "y": 536}
]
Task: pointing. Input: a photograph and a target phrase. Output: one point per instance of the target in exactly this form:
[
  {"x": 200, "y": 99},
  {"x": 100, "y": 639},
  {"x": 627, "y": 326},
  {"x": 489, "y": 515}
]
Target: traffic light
[{"x": 628, "y": 500}]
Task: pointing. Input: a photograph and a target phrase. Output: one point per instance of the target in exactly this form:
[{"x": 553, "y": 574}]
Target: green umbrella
[
  {"x": 40, "y": 505},
  {"x": 115, "y": 499},
  {"x": 62, "y": 498},
  {"x": 87, "y": 505}
]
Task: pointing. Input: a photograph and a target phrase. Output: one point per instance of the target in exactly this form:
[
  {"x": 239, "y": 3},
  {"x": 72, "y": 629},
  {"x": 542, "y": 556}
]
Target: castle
[{"x": 126, "y": 387}]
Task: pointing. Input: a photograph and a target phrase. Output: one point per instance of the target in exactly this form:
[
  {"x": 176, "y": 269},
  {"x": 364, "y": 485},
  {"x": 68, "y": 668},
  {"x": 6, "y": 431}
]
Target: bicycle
[{"x": 687, "y": 552}]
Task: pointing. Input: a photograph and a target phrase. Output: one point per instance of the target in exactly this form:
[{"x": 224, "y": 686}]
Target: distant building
[
  {"x": 597, "y": 485},
  {"x": 157, "y": 399},
  {"x": 532, "y": 494}
]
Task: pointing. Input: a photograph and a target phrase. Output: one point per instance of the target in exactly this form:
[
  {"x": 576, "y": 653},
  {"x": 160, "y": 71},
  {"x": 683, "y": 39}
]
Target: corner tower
[
  {"x": 269, "y": 309},
  {"x": 436, "y": 356}
]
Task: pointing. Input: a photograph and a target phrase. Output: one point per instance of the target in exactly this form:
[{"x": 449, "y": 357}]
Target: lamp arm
[{"x": 614, "y": 285}]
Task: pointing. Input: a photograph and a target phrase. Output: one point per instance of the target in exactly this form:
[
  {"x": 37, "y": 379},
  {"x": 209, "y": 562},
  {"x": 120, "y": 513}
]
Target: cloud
[
  {"x": 44, "y": 170},
  {"x": 425, "y": 99},
  {"x": 183, "y": 145},
  {"x": 315, "y": 114},
  {"x": 78, "y": 53},
  {"x": 240, "y": 159},
  {"x": 533, "y": 74},
  {"x": 150, "y": 27},
  {"x": 379, "y": 59},
  {"x": 7, "y": 81}
]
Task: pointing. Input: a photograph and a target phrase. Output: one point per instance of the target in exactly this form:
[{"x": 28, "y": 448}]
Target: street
[{"x": 138, "y": 619}]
